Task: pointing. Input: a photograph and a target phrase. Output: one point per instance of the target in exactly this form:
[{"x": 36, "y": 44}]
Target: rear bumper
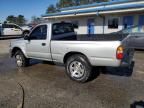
[
  {"x": 124, "y": 64},
  {"x": 128, "y": 60}
]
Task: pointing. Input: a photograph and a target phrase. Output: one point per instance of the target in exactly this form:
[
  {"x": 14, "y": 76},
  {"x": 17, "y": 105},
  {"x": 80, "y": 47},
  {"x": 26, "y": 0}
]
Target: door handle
[{"x": 43, "y": 44}]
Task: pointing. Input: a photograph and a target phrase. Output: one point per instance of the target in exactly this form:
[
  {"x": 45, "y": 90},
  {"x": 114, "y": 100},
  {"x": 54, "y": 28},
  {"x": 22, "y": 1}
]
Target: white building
[{"x": 106, "y": 17}]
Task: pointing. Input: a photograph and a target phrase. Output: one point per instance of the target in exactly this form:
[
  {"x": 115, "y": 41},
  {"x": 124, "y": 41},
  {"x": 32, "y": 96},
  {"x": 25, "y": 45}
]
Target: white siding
[
  {"x": 99, "y": 25},
  {"x": 82, "y": 20}
]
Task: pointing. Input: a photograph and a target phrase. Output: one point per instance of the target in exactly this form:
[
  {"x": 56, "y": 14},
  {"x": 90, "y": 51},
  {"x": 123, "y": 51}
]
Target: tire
[
  {"x": 25, "y": 33},
  {"x": 78, "y": 68},
  {"x": 21, "y": 60}
]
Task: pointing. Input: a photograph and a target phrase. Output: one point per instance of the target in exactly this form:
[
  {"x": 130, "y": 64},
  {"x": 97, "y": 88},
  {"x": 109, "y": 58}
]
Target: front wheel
[
  {"x": 78, "y": 68},
  {"x": 21, "y": 60},
  {"x": 26, "y": 33}
]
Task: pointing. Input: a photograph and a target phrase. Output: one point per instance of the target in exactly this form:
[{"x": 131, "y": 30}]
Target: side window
[
  {"x": 113, "y": 23},
  {"x": 133, "y": 29},
  {"x": 75, "y": 24},
  {"x": 39, "y": 33},
  {"x": 11, "y": 26},
  {"x": 0, "y": 28},
  {"x": 16, "y": 27},
  {"x": 6, "y": 26}
]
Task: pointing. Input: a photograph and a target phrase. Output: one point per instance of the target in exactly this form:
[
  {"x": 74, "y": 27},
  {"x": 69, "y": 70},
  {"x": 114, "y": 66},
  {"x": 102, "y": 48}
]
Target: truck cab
[{"x": 37, "y": 43}]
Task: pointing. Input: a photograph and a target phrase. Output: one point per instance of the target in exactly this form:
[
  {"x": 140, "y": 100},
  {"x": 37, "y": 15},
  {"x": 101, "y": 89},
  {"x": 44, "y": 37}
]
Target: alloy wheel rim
[
  {"x": 19, "y": 60},
  {"x": 26, "y": 34},
  {"x": 77, "y": 69}
]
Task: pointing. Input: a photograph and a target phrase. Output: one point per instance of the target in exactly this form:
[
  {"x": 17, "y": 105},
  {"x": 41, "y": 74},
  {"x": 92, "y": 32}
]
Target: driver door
[{"x": 38, "y": 44}]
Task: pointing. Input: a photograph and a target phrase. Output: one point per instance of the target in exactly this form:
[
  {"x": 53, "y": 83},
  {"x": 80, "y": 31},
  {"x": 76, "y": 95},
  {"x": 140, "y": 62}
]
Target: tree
[
  {"x": 66, "y": 3},
  {"x": 82, "y": 2},
  {"x": 20, "y": 20},
  {"x": 36, "y": 20},
  {"x": 70, "y": 3},
  {"x": 98, "y": 1},
  {"x": 57, "y": 7},
  {"x": 51, "y": 9},
  {"x": 11, "y": 19}
]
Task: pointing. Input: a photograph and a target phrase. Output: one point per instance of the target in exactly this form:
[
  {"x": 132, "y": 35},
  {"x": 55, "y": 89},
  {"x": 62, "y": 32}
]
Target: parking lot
[{"x": 47, "y": 86}]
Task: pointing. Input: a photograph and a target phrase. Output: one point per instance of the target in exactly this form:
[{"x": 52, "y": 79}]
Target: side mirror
[{"x": 27, "y": 38}]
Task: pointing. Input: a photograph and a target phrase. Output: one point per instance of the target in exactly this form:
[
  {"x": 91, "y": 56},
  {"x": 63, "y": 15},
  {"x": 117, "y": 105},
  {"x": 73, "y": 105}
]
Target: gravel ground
[
  {"x": 47, "y": 86},
  {"x": 4, "y": 45}
]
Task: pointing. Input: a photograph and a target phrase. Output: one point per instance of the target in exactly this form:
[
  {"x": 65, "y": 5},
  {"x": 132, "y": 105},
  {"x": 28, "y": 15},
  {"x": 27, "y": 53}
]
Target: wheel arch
[
  {"x": 14, "y": 50},
  {"x": 69, "y": 54}
]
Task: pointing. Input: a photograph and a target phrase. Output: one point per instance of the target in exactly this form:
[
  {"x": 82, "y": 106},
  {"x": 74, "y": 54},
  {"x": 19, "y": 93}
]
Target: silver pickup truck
[{"x": 57, "y": 42}]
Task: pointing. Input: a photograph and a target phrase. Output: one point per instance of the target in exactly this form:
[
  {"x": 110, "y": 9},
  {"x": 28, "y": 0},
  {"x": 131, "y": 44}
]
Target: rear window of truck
[{"x": 62, "y": 28}]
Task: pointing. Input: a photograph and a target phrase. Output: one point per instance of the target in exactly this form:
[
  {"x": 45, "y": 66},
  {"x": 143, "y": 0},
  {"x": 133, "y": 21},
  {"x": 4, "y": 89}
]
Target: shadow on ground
[
  {"x": 137, "y": 104},
  {"x": 34, "y": 62},
  {"x": 96, "y": 71},
  {"x": 118, "y": 71}
]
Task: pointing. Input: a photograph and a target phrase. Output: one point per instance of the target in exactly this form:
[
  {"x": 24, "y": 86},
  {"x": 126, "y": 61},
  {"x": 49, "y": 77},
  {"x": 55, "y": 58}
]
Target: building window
[
  {"x": 113, "y": 23},
  {"x": 76, "y": 24}
]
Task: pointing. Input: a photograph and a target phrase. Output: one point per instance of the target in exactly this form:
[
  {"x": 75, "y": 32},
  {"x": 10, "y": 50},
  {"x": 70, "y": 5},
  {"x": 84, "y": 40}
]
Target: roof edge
[{"x": 94, "y": 10}]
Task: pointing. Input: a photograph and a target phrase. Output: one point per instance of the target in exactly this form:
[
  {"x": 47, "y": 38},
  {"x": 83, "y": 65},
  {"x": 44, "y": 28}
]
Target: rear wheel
[
  {"x": 21, "y": 60},
  {"x": 78, "y": 68}
]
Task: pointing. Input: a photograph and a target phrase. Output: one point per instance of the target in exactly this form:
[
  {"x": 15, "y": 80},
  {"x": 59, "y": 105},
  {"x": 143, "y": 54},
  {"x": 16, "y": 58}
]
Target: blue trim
[
  {"x": 112, "y": 8},
  {"x": 129, "y": 21},
  {"x": 98, "y": 9},
  {"x": 90, "y": 26},
  {"x": 96, "y": 4},
  {"x": 141, "y": 22}
]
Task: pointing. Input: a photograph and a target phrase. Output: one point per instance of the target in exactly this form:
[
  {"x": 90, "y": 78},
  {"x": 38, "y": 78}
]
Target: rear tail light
[{"x": 120, "y": 51}]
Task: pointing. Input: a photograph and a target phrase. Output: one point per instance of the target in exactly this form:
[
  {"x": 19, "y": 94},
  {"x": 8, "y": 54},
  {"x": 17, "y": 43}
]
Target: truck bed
[
  {"x": 102, "y": 37},
  {"x": 94, "y": 37}
]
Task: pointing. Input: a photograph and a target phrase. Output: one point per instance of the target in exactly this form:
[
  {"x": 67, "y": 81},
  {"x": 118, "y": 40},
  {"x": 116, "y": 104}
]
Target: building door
[
  {"x": 91, "y": 24},
  {"x": 128, "y": 22},
  {"x": 141, "y": 23}
]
